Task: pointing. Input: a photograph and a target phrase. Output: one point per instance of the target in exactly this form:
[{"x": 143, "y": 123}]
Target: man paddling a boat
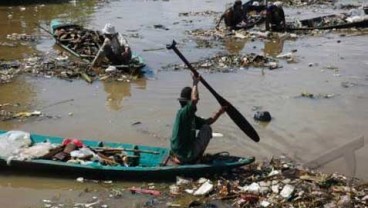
[
  {"x": 115, "y": 47},
  {"x": 187, "y": 146}
]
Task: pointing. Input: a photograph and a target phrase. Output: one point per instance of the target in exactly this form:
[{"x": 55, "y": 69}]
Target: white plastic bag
[
  {"x": 12, "y": 141},
  {"x": 28, "y": 153},
  {"x": 83, "y": 153}
]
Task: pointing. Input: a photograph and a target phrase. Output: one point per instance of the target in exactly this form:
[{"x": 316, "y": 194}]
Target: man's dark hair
[
  {"x": 185, "y": 96},
  {"x": 237, "y": 3}
]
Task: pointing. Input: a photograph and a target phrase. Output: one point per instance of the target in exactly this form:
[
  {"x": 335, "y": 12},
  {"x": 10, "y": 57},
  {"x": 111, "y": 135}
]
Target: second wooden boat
[{"x": 85, "y": 44}]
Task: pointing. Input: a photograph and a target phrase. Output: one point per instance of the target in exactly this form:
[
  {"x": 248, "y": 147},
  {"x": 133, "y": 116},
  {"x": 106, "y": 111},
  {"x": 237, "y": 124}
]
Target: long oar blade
[
  {"x": 233, "y": 113},
  {"x": 241, "y": 122}
]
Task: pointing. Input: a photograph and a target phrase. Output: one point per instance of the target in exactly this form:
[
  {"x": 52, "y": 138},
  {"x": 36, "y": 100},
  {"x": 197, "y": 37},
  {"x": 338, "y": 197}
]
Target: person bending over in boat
[
  {"x": 115, "y": 47},
  {"x": 235, "y": 18},
  {"x": 275, "y": 17},
  {"x": 186, "y": 146}
]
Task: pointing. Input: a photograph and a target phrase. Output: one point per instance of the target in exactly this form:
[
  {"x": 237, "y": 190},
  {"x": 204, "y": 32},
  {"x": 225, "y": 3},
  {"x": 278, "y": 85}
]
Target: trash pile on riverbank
[{"x": 278, "y": 182}]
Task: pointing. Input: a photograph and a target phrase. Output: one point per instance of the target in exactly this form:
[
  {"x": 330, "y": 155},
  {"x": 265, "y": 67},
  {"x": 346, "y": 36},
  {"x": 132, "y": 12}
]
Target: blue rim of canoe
[
  {"x": 152, "y": 164},
  {"x": 309, "y": 24},
  {"x": 136, "y": 63}
]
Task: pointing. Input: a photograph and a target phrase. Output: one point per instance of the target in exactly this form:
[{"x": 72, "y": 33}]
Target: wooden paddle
[
  {"x": 233, "y": 113},
  {"x": 44, "y": 29}
]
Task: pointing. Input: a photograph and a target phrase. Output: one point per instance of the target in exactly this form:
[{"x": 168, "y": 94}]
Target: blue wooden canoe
[
  {"x": 153, "y": 163},
  {"x": 88, "y": 49}
]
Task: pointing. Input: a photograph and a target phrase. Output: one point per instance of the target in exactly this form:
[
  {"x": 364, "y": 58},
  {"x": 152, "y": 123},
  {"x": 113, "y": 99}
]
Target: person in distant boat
[
  {"x": 275, "y": 17},
  {"x": 254, "y": 5},
  {"x": 186, "y": 145},
  {"x": 235, "y": 17},
  {"x": 115, "y": 47},
  {"x": 60, "y": 33}
]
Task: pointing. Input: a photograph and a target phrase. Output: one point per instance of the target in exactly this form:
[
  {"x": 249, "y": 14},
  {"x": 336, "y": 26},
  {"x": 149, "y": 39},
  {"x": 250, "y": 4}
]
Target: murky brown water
[{"x": 302, "y": 128}]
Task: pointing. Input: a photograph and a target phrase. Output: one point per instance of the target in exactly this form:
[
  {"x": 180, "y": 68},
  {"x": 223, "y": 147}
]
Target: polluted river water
[{"x": 332, "y": 66}]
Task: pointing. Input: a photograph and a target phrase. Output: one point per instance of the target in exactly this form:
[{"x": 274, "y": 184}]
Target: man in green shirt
[{"x": 186, "y": 145}]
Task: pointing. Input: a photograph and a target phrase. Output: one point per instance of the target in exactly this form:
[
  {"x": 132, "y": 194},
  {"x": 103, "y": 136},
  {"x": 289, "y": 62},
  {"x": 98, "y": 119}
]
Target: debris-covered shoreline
[{"x": 277, "y": 182}]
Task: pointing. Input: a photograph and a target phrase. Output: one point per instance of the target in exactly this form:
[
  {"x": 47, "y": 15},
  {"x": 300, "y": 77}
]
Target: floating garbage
[
  {"x": 110, "y": 69},
  {"x": 278, "y": 182},
  {"x": 22, "y": 37},
  {"x": 9, "y": 112},
  {"x": 87, "y": 205},
  {"x": 315, "y": 96},
  {"x": 204, "y": 13},
  {"x": 262, "y": 116},
  {"x": 174, "y": 189},
  {"x": 204, "y": 189},
  {"x": 182, "y": 181},
  {"x": 287, "y": 191},
  {"x": 134, "y": 190},
  {"x": 60, "y": 65},
  {"x": 80, "y": 179},
  {"x": 228, "y": 63},
  {"x": 216, "y": 134}
]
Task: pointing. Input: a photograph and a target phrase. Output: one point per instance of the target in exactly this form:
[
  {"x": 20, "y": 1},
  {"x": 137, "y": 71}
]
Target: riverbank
[{"x": 278, "y": 182}]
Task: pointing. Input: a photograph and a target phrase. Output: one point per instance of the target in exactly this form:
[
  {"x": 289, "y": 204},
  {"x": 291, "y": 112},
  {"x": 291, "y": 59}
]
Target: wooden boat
[
  {"x": 85, "y": 43},
  {"x": 335, "y": 21},
  {"x": 152, "y": 163}
]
